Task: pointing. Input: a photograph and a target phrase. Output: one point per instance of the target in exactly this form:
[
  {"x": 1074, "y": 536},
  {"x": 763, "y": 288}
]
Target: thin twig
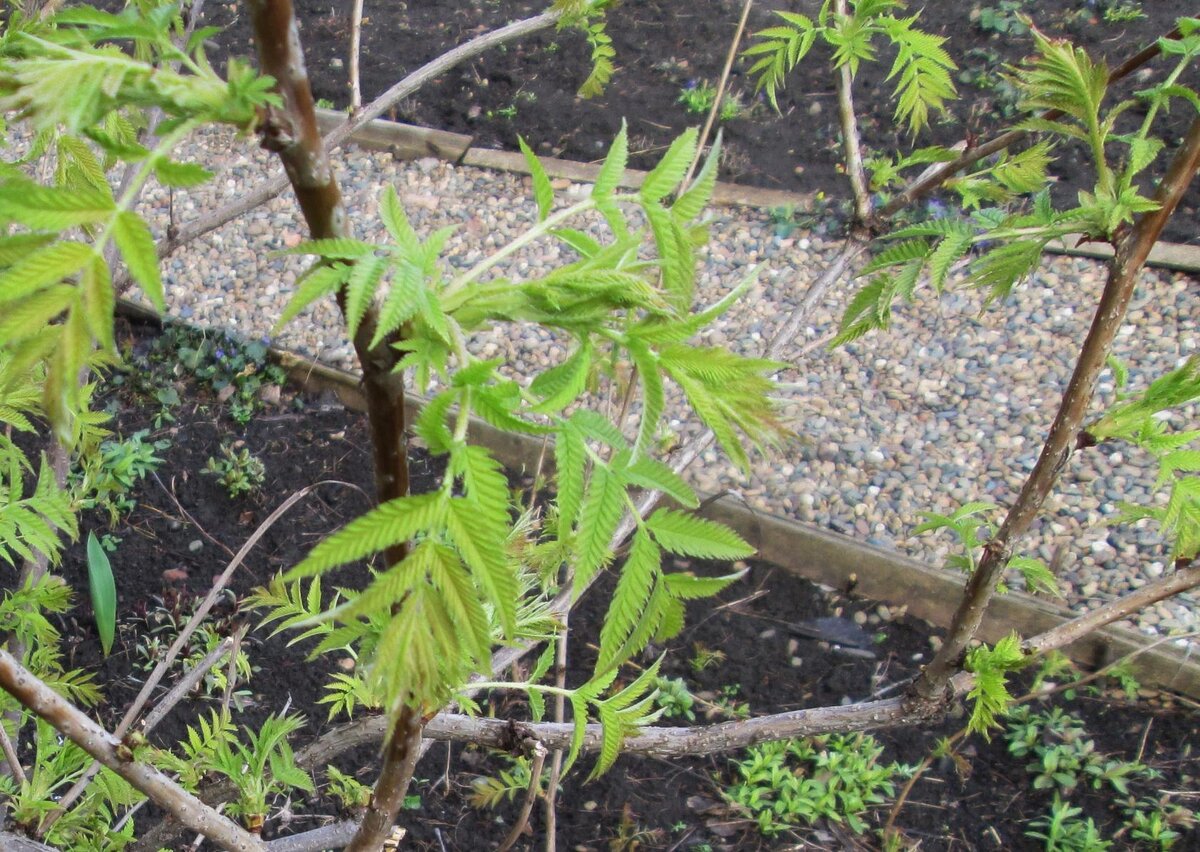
[
  {"x": 10, "y": 755},
  {"x": 724, "y": 81},
  {"x": 271, "y": 187},
  {"x": 356, "y": 13},
  {"x": 75, "y": 725},
  {"x": 170, "y": 492},
  {"x": 177, "y": 646},
  {"x": 531, "y": 792},
  {"x": 1110, "y": 313}
]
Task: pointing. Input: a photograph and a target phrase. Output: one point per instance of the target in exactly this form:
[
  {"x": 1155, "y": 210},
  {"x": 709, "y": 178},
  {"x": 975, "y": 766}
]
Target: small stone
[
  {"x": 769, "y": 633},
  {"x": 797, "y": 662},
  {"x": 860, "y": 618},
  {"x": 175, "y": 575},
  {"x": 195, "y": 546}
]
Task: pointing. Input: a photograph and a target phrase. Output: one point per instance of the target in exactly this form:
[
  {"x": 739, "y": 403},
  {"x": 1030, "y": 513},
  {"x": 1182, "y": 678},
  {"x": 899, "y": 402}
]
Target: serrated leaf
[
  {"x": 364, "y": 280},
  {"x": 653, "y": 395},
  {"x": 561, "y": 385},
  {"x": 481, "y": 545},
  {"x": 543, "y": 192},
  {"x": 664, "y": 177},
  {"x": 691, "y": 203},
  {"x": 603, "y": 505},
  {"x": 570, "y": 460},
  {"x": 45, "y": 208},
  {"x": 389, "y": 524},
  {"x": 638, "y": 575},
  {"x": 391, "y": 211},
  {"x": 319, "y": 281},
  {"x": 136, "y": 243},
  {"x": 431, "y": 425},
  {"x": 42, "y": 267},
  {"x": 652, "y": 474},
  {"x": 335, "y": 248},
  {"x": 688, "y": 535},
  {"x": 690, "y": 587},
  {"x": 181, "y": 175},
  {"x": 613, "y": 169}
]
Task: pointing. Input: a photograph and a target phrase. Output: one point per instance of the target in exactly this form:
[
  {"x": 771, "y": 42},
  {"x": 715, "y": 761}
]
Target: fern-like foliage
[
  {"x": 425, "y": 624},
  {"x": 588, "y": 17},
  {"x": 921, "y": 68},
  {"x": 1139, "y": 420}
]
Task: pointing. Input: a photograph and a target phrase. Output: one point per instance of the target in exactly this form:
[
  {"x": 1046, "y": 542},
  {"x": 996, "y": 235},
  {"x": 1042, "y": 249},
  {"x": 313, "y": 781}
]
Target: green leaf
[
  {"x": 482, "y": 546},
  {"x": 687, "y": 535},
  {"x": 136, "y": 243},
  {"x": 319, "y": 281},
  {"x": 391, "y": 523},
  {"x": 48, "y": 209},
  {"x": 653, "y": 395},
  {"x": 671, "y": 168},
  {"x": 561, "y": 385},
  {"x": 360, "y": 290},
  {"x": 613, "y": 169},
  {"x": 690, "y": 587},
  {"x": 542, "y": 191},
  {"x": 41, "y": 268},
  {"x": 652, "y": 474},
  {"x": 602, "y": 508},
  {"x": 627, "y": 608},
  {"x": 336, "y": 248},
  {"x": 180, "y": 175},
  {"x": 691, "y": 203},
  {"x": 103, "y": 589},
  {"x": 395, "y": 220}
]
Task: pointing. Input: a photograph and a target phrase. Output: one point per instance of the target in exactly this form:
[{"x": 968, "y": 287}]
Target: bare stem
[
  {"x": 400, "y": 759},
  {"x": 851, "y": 141},
  {"x": 271, "y": 187},
  {"x": 535, "y": 782},
  {"x": 721, "y": 85},
  {"x": 356, "y": 11},
  {"x": 73, "y": 724},
  {"x": 1110, "y": 313},
  {"x": 10, "y": 755}
]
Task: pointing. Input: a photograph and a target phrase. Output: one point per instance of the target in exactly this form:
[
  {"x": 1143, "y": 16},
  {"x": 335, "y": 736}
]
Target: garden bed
[
  {"x": 668, "y": 52},
  {"x": 179, "y": 535}
]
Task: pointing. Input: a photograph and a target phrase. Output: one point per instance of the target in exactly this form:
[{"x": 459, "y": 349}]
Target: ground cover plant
[{"x": 464, "y": 576}]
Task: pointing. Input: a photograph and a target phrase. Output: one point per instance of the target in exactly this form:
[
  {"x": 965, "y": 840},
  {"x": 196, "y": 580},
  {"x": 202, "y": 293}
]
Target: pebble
[{"x": 952, "y": 404}]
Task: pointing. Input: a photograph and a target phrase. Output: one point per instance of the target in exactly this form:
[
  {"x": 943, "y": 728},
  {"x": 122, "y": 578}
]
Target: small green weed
[
  {"x": 1003, "y": 18},
  {"x": 704, "y": 657},
  {"x": 235, "y": 369},
  {"x": 1120, "y": 12},
  {"x": 674, "y": 698},
  {"x": 122, "y": 465},
  {"x": 698, "y": 98},
  {"x": 240, "y": 471},
  {"x": 352, "y": 794},
  {"x": 793, "y": 782},
  {"x": 1063, "y": 831}
]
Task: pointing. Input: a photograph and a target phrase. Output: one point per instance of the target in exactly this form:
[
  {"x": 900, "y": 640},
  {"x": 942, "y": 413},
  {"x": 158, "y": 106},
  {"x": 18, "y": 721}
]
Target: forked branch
[{"x": 1122, "y": 278}]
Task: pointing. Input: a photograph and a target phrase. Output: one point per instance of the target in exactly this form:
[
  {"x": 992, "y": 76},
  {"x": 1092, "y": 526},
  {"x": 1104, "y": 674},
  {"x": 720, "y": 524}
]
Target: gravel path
[{"x": 952, "y": 405}]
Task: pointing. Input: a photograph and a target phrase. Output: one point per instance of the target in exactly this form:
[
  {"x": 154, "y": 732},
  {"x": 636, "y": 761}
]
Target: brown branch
[
  {"x": 851, "y": 141},
  {"x": 531, "y": 792},
  {"x": 334, "y": 836},
  {"x": 726, "y": 736},
  {"x": 108, "y": 749},
  {"x": 11, "y": 842},
  {"x": 935, "y": 177},
  {"x": 1110, "y": 313},
  {"x": 11, "y": 757},
  {"x": 1178, "y": 581},
  {"x": 400, "y": 759}
]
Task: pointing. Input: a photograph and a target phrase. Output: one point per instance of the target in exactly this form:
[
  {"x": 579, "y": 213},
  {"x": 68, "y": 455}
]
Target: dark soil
[
  {"x": 174, "y": 543},
  {"x": 663, "y": 47}
]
